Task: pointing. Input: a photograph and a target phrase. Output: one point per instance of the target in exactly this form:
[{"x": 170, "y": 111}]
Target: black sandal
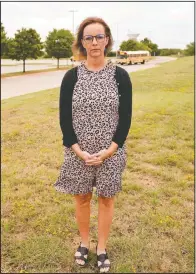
[
  {"x": 83, "y": 251},
  {"x": 101, "y": 258}
]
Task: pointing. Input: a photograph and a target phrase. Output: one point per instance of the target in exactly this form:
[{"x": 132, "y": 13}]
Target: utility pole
[{"x": 73, "y": 19}]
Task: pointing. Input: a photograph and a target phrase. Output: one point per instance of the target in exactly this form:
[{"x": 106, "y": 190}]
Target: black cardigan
[{"x": 125, "y": 106}]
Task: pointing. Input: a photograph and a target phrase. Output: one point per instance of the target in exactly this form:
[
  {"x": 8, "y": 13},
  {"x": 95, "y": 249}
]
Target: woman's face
[{"x": 95, "y": 47}]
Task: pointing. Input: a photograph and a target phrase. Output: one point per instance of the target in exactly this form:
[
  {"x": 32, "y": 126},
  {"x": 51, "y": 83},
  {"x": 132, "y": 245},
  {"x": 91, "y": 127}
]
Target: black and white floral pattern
[{"x": 95, "y": 117}]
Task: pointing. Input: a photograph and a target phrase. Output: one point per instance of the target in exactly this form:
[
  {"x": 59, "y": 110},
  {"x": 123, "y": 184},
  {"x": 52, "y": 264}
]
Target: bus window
[{"x": 120, "y": 56}]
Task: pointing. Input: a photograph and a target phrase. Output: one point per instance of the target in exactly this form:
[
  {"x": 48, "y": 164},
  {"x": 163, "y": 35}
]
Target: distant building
[{"x": 133, "y": 36}]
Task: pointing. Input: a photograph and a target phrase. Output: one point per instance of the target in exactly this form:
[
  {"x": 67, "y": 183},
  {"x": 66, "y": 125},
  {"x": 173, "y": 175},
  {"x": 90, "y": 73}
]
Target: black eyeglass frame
[{"x": 92, "y": 37}]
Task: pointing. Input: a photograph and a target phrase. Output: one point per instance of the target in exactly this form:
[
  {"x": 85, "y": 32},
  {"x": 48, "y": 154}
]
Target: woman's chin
[{"x": 95, "y": 53}]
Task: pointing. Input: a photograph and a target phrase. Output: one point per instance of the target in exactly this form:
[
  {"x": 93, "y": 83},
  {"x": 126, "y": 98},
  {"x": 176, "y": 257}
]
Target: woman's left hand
[{"x": 98, "y": 157}]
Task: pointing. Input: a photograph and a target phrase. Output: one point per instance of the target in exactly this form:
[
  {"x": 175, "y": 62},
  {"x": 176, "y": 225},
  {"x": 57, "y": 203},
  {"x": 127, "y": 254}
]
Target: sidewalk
[{"x": 19, "y": 85}]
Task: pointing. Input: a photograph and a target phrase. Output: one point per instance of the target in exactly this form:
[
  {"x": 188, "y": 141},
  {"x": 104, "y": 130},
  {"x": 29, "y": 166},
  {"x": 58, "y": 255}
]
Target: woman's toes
[{"x": 80, "y": 262}]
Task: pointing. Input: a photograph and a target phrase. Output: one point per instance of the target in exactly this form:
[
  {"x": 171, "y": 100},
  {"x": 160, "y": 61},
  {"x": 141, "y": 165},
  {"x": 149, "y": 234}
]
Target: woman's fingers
[
  {"x": 94, "y": 163},
  {"x": 92, "y": 160}
]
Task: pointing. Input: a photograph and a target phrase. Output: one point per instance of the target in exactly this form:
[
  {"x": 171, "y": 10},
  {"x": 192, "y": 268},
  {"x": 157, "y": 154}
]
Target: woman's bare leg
[
  {"x": 105, "y": 215},
  {"x": 82, "y": 203}
]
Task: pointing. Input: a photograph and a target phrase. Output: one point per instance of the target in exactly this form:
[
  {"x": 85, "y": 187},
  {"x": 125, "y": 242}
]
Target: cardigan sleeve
[
  {"x": 65, "y": 110},
  {"x": 125, "y": 110}
]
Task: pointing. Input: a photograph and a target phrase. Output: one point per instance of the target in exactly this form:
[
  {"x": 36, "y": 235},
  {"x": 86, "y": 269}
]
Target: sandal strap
[
  {"x": 83, "y": 250},
  {"x": 102, "y": 257}
]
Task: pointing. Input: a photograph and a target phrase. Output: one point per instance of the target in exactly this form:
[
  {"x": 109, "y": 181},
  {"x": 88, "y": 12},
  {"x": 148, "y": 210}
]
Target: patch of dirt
[
  {"x": 20, "y": 236},
  {"x": 6, "y": 209},
  {"x": 146, "y": 180},
  {"x": 150, "y": 166}
]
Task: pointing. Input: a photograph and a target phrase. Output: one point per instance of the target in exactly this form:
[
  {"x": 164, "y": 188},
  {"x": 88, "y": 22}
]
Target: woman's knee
[
  {"x": 83, "y": 199},
  {"x": 106, "y": 201}
]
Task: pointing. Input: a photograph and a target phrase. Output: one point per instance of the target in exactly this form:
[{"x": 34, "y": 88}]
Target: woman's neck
[{"x": 95, "y": 63}]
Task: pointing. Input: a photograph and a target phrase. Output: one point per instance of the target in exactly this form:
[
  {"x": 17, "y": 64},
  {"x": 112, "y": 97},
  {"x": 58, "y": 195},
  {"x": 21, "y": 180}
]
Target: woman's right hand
[{"x": 84, "y": 155}]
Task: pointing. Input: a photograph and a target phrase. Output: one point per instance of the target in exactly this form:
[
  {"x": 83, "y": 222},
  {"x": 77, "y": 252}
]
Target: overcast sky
[{"x": 168, "y": 24}]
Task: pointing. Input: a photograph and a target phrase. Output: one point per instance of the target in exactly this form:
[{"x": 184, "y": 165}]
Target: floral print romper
[{"x": 95, "y": 117}]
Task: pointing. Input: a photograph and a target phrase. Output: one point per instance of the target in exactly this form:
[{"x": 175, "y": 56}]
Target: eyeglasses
[{"x": 89, "y": 38}]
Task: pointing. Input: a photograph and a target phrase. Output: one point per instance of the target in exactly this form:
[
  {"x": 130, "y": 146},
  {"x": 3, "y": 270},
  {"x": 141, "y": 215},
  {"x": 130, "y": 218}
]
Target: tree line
[
  {"x": 27, "y": 44},
  {"x": 147, "y": 44}
]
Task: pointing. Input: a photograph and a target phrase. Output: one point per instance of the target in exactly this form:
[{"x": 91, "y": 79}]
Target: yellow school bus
[{"x": 132, "y": 57}]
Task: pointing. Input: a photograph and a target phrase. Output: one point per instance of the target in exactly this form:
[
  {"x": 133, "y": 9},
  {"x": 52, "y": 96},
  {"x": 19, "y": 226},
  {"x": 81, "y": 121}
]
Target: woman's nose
[{"x": 94, "y": 40}]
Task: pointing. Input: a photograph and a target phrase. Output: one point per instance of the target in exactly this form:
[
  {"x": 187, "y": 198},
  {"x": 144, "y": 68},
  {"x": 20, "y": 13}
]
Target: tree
[
  {"x": 142, "y": 46},
  {"x": 111, "y": 54},
  {"x": 146, "y": 41},
  {"x": 58, "y": 44},
  {"x": 168, "y": 51},
  {"x": 190, "y": 49},
  {"x": 4, "y": 41},
  {"x": 130, "y": 45},
  {"x": 152, "y": 46},
  {"x": 26, "y": 44}
]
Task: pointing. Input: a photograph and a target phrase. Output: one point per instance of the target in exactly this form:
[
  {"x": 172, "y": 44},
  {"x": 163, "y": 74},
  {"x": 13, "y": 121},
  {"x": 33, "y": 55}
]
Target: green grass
[{"x": 153, "y": 225}]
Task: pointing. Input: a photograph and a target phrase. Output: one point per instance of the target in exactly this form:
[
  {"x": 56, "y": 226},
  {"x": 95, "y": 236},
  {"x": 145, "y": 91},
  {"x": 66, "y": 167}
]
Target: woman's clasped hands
[{"x": 96, "y": 158}]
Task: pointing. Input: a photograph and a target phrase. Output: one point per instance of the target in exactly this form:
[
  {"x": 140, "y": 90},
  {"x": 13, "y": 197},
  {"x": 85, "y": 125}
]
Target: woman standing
[{"x": 95, "y": 118}]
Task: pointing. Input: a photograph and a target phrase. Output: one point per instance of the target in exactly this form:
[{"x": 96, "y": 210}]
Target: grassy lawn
[{"x": 153, "y": 226}]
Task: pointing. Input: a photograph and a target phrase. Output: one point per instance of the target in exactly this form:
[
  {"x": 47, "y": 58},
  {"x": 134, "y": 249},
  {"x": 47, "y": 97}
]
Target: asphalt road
[{"x": 19, "y": 85}]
